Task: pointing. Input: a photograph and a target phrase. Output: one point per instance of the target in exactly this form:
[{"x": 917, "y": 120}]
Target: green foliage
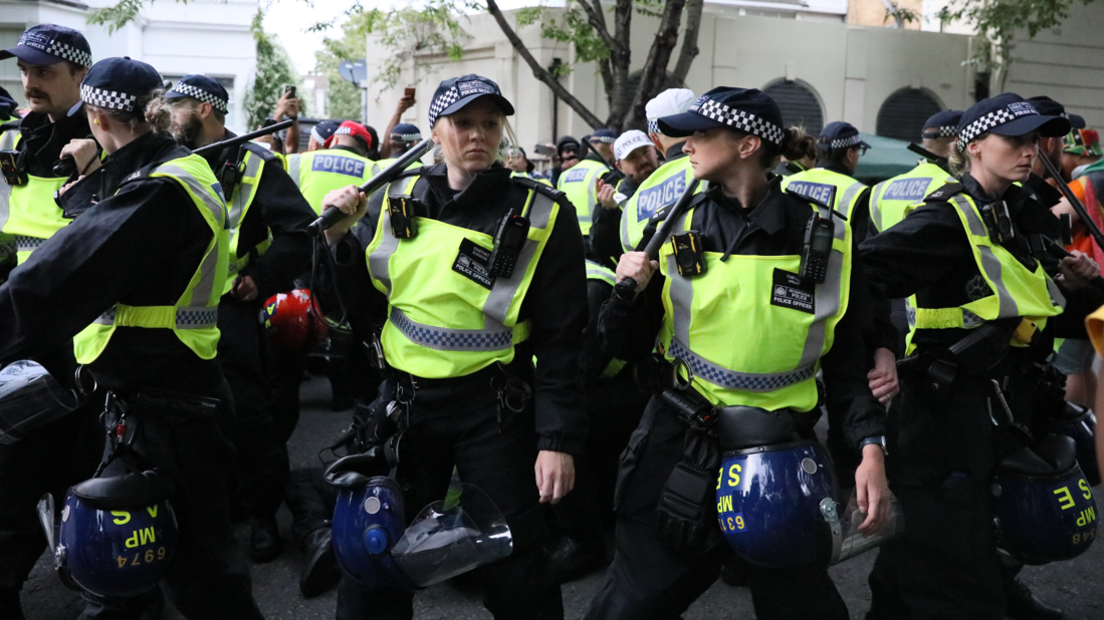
[
  {"x": 343, "y": 97},
  {"x": 118, "y": 15},
  {"x": 901, "y": 15},
  {"x": 572, "y": 28},
  {"x": 999, "y": 20},
  {"x": 411, "y": 31},
  {"x": 274, "y": 70}
]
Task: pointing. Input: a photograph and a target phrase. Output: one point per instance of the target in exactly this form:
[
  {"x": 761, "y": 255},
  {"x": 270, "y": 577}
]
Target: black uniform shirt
[
  {"x": 556, "y": 302},
  {"x": 928, "y": 254},
  {"x": 139, "y": 247},
  {"x": 40, "y": 146},
  {"x": 775, "y": 227},
  {"x": 277, "y": 206},
  {"x": 605, "y": 228}
]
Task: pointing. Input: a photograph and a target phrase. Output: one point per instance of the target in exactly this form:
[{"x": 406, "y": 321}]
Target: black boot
[
  {"x": 9, "y": 604},
  {"x": 574, "y": 557},
  {"x": 265, "y": 544},
  {"x": 736, "y": 573},
  {"x": 320, "y": 572},
  {"x": 1023, "y": 605}
]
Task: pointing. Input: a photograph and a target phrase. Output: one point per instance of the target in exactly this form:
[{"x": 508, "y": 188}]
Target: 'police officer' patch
[
  {"x": 790, "y": 291},
  {"x": 472, "y": 262}
]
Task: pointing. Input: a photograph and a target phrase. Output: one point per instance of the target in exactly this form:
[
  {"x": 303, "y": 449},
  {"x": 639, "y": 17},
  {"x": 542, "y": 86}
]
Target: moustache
[{"x": 36, "y": 94}]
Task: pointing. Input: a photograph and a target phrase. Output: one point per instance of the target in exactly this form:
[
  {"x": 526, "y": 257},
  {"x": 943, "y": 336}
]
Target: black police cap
[
  {"x": 942, "y": 125},
  {"x": 744, "y": 109},
  {"x": 47, "y": 44},
  {"x": 1008, "y": 114},
  {"x": 202, "y": 88},
  {"x": 455, "y": 93},
  {"x": 116, "y": 83}
]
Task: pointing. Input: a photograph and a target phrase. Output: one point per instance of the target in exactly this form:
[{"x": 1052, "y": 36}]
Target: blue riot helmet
[
  {"x": 1079, "y": 424},
  {"x": 1043, "y": 505},
  {"x": 768, "y": 503},
  {"x": 117, "y": 534},
  {"x": 374, "y": 545}
]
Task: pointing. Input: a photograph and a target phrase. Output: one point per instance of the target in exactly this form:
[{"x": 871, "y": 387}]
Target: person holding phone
[{"x": 450, "y": 281}]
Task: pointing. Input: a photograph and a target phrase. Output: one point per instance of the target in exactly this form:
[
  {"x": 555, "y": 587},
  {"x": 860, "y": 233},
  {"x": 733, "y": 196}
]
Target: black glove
[
  {"x": 8, "y": 105},
  {"x": 683, "y": 516}
]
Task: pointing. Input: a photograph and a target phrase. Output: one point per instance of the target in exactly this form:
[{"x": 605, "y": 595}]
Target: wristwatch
[{"x": 875, "y": 440}]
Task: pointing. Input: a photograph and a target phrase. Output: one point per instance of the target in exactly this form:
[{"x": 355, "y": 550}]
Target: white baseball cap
[
  {"x": 668, "y": 103},
  {"x": 628, "y": 142}
]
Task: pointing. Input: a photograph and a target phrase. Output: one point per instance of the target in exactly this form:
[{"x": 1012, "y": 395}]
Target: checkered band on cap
[
  {"x": 653, "y": 125},
  {"x": 110, "y": 99},
  {"x": 739, "y": 119},
  {"x": 70, "y": 53},
  {"x": 843, "y": 143},
  {"x": 945, "y": 131},
  {"x": 195, "y": 92},
  {"x": 442, "y": 102},
  {"x": 344, "y": 131},
  {"x": 406, "y": 137},
  {"x": 984, "y": 124},
  {"x": 316, "y": 136},
  {"x": 603, "y": 139}
]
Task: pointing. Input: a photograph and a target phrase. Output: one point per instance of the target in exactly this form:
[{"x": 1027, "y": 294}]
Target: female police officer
[
  {"x": 753, "y": 330},
  {"x": 141, "y": 273},
  {"x": 970, "y": 257},
  {"x": 464, "y": 310}
]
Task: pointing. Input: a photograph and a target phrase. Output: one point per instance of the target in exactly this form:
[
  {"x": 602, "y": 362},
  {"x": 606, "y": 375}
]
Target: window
[
  {"x": 903, "y": 114},
  {"x": 799, "y": 105}
]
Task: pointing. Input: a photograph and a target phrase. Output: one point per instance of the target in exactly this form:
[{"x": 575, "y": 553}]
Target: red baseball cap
[{"x": 351, "y": 128}]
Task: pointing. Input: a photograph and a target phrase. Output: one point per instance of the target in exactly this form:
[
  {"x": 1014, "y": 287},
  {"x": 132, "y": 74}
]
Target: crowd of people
[{"x": 627, "y": 356}]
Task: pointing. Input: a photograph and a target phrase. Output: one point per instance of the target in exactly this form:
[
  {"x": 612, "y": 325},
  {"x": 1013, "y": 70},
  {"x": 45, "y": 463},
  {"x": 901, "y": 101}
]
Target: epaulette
[
  {"x": 260, "y": 151},
  {"x": 547, "y": 190},
  {"x": 944, "y": 193}
]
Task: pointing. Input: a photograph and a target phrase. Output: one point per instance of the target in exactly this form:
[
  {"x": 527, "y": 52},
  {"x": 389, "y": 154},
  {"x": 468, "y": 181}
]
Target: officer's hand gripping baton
[
  {"x": 625, "y": 288},
  {"x": 1082, "y": 212},
  {"x": 388, "y": 174}
]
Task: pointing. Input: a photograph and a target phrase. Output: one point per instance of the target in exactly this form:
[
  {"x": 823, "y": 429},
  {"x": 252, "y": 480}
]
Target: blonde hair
[
  {"x": 149, "y": 108},
  {"x": 958, "y": 160}
]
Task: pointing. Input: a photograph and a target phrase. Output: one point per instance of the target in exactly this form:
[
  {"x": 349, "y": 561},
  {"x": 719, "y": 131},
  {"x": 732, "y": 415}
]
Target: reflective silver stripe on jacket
[
  {"x": 497, "y": 337},
  {"x": 875, "y": 208},
  {"x": 293, "y": 167},
  {"x": 206, "y": 285},
  {"x": 843, "y": 205},
  {"x": 989, "y": 262},
  {"x": 626, "y": 243},
  {"x": 243, "y": 193},
  {"x": 827, "y": 305},
  {"x": 190, "y": 317}
]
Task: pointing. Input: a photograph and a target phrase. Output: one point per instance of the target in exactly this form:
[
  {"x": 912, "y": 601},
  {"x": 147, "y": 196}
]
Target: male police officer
[
  {"x": 402, "y": 138},
  {"x": 52, "y": 60},
  {"x": 667, "y": 183},
  {"x": 839, "y": 148},
  {"x": 580, "y": 183},
  {"x": 269, "y": 247},
  {"x": 890, "y": 200},
  {"x": 344, "y": 161},
  {"x": 636, "y": 158},
  {"x": 319, "y": 134}
]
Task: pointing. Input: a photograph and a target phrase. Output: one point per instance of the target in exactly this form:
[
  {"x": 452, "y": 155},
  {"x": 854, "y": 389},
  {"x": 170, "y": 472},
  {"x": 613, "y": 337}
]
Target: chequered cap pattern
[
  {"x": 406, "y": 137},
  {"x": 946, "y": 131},
  {"x": 603, "y": 139},
  {"x": 739, "y": 381},
  {"x": 843, "y": 143},
  {"x": 317, "y": 136},
  {"x": 70, "y": 53},
  {"x": 442, "y": 102},
  {"x": 739, "y": 119},
  {"x": 653, "y": 125},
  {"x": 451, "y": 340},
  {"x": 195, "y": 92},
  {"x": 111, "y": 99},
  {"x": 984, "y": 124}
]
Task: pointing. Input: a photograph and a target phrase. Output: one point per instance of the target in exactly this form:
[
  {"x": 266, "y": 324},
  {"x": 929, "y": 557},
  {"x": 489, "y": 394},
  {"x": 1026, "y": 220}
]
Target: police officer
[
  {"x": 140, "y": 276},
  {"x": 52, "y": 60},
  {"x": 344, "y": 160},
  {"x": 269, "y": 248},
  {"x": 891, "y": 199},
  {"x": 635, "y": 157},
  {"x": 402, "y": 138},
  {"x": 984, "y": 315},
  {"x": 580, "y": 182},
  {"x": 838, "y": 149},
  {"x": 663, "y": 187},
  {"x": 436, "y": 278},
  {"x": 319, "y": 134},
  {"x": 752, "y": 232}
]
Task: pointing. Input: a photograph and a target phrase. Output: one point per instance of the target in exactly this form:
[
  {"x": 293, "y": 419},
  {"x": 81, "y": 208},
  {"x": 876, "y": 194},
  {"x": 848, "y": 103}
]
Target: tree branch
[
  {"x": 540, "y": 72},
  {"x": 598, "y": 20},
  {"x": 655, "y": 68},
  {"x": 689, "y": 49}
]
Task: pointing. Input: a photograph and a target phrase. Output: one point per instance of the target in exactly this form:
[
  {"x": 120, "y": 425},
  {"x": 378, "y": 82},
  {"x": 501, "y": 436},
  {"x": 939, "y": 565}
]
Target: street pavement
[{"x": 1076, "y": 586}]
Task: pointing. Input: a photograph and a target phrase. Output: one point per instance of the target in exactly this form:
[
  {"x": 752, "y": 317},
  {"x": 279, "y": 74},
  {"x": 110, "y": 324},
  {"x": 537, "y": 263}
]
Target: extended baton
[
  {"x": 388, "y": 174},
  {"x": 1082, "y": 212},
  {"x": 625, "y": 287},
  {"x": 245, "y": 137}
]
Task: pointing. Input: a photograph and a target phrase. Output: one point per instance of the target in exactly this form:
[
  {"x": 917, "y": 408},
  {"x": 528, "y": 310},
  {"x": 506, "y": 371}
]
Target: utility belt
[
  {"x": 159, "y": 404},
  {"x": 965, "y": 366}
]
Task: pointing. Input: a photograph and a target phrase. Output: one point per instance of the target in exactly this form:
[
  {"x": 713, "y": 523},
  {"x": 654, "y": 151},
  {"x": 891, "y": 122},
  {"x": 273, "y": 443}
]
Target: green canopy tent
[{"x": 886, "y": 158}]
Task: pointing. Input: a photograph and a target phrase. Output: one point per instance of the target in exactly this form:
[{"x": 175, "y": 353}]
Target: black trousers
[
  {"x": 649, "y": 581},
  {"x": 207, "y": 579},
  {"x": 946, "y": 565},
  {"x": 311, "y": 502},
  {"x": 459, "y": 427},
  {"x": 49, "y": 460},
  {"x": 614, "y": 406},
  {"x": 260, "y": 469}
]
